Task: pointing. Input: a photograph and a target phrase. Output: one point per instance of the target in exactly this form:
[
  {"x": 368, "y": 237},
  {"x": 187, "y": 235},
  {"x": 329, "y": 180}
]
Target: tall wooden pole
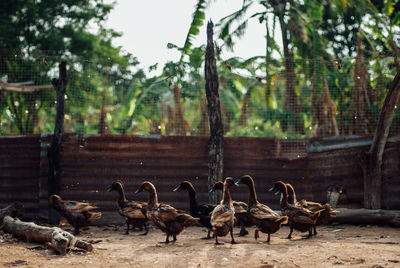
[
  {"x": 53, "y": 153},
  {"x": 372, "y": 167},
  {"x": 216, "y": 142}
]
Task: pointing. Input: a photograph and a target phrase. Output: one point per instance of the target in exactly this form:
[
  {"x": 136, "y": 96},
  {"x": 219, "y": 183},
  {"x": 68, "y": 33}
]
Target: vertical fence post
[
  {"x": 53, "y": 153},
  {"x": 216, "y": 142}
]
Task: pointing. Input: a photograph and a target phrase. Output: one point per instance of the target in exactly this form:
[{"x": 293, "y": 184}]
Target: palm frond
[{"x": 197, "y": 22}]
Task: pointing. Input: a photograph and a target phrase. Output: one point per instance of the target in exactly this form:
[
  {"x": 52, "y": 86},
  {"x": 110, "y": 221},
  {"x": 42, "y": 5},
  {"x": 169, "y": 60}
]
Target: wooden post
[
  {"x": 216, "y": 142},
  {"x": 53, "y": 153},
  {"x": 372, "y": 163}
]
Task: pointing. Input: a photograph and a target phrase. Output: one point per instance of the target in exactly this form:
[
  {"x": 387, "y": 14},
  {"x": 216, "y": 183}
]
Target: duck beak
[
  {"x": 271, "y": 189},
  {"x": 237, "y": 183},
  {"x": 177, "y": 188},
  {"x": 138, "y": 190}
]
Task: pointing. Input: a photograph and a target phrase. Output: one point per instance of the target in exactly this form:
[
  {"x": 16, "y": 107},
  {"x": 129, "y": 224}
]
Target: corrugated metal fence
[{"x": 89, "y": 164}]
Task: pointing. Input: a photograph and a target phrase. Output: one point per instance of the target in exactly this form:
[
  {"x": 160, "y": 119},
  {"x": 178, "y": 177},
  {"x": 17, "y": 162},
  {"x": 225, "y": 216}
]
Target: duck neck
[
  {"x": 252, "y": 194},
  {"x": 291, "y": 199},
  {"x": 226, "y": 197},
  {"x": 192, "y": 200},
  {"x": 121, "y": 195},
  {"x": 153, "y": 199},
  {"x": 284, "y": 198}
]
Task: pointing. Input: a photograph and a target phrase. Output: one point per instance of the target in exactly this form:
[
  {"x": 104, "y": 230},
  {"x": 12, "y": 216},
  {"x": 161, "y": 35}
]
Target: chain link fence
[{"x": 258, "y": 99}]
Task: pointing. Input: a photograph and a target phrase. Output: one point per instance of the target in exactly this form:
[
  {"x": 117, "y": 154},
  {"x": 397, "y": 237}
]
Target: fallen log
[
  {"x": 367, "y": 216},
  {"x": 54, "y": 237}
]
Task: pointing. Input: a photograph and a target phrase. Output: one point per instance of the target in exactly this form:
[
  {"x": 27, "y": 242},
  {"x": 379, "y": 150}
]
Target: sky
[{"x": 148, "y": 26}]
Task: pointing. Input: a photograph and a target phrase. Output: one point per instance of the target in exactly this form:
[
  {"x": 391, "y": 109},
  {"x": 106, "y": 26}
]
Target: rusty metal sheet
[
  {"x": 19, "y": 176},
  {"x": 90, "y": 163}
]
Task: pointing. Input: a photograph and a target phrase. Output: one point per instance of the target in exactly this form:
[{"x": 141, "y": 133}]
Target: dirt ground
[{"x": 334, "y": 246}]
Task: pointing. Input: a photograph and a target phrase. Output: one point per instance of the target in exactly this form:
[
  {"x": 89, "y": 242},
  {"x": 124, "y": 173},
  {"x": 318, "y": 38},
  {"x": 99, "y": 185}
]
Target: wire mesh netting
[{"x": 259, "y": 98}]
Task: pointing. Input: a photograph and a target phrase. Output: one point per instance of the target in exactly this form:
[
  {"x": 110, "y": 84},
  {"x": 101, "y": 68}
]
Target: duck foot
[
  {"x": 243, "y": 232},
  {"x": 315, "y": 231},
  {"x": 290, "y": 234},
  {"x": 216, "y": 241}
]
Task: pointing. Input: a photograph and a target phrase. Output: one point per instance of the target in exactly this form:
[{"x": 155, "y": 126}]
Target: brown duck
[
  {"x": 133, "y": 211},
  {"x": 163, "y": 216},
  {"x": 243, "y": 219},
  {"x": 223, "y": 215},
  {"x": 78, "y": 214},
  {"x": 265, "y": 219},
  {"x": 300, "y": 219},
  {"x": 326, "y": 212}
]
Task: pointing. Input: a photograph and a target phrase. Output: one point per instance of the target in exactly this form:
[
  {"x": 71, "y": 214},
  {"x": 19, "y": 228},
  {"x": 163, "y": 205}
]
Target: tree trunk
[
  {"x": 103, "y": 114},
  {"x": 169, "y": 128},
  {"x": 324, "y": 112},
  {"x": 291, "y": 104},
  {"x": 245, "y": 108},
  {"x": 372, "y": 160},
  {"x": 359, "y": 122},
  {"x": 53, "y": 154},
  {"x": 179, "y": 119},
  {"x": 55, "y": 237},
  {"x": 216, "y": 142},
  {"x": 204, "y": 129}
]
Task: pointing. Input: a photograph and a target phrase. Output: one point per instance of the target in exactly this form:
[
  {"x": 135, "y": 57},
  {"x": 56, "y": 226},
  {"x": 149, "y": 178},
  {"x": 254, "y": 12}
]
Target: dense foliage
[{"x": 329, "y": 76}]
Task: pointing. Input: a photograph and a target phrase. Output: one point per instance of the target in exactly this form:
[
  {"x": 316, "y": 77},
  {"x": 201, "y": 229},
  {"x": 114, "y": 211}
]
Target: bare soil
[{"x": 334, "y": 246}]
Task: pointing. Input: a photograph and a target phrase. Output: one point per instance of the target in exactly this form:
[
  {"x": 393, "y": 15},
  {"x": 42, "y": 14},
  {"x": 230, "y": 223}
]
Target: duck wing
[
  {"x": 240, "y": 207},
  {"x": 222, "y": 214},
  {"x": 79, "y": 207},
  {"x": 261, "y": 211},
  {"x": 301, "y": 215},
  {"x": 165, "y": 212},
  {"x": 134, "y": 209}
]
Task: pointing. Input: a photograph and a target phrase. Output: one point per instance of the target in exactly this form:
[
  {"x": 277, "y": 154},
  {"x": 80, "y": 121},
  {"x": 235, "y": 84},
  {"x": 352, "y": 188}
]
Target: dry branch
[
  {"x": 16, "y": 209},
  {"x": 22, "y": 88},
  {"x": 54, "y": 237}
]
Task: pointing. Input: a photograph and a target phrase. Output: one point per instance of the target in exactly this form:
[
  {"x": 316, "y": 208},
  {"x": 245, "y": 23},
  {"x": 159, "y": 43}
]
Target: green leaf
[
  {"x": 197, "y": 22},
  {"x": 396, "y": 20}
]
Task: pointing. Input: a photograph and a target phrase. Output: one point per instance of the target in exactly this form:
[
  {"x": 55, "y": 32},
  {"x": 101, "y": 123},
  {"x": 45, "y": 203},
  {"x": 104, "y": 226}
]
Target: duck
[
  {"x": 201, "y": 211},
  {"x": 243, "y": 219},
  {"x": 326, "y": 212},
  {"x": 133, "y": 211},
  {"x": 78, "y": 214},
  {"x": 223, "y": 215},
  {"x": 165, "y": 217},
  {"x": 299, "y": 218},
  {"x": 265, "y": 219}
]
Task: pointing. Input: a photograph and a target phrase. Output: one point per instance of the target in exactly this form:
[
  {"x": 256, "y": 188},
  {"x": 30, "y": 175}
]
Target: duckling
[
  {"x": 326, "y": 211},
  {"x": 196, "y": 210},
  {"x": 133, "y": 211},
  {"x": 223, "y": 215},
  {"x": 300, "y": 218},
  {"x": 243, "y": 219},
  {"x": 163, "y": 216},
  {"x": 265, "y": 219},
  {"x": 78, "y": 214}
]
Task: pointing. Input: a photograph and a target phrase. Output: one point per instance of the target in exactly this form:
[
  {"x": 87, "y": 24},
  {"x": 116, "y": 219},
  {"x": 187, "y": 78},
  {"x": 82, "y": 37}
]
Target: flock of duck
[{"x": 219, "y": 219}]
